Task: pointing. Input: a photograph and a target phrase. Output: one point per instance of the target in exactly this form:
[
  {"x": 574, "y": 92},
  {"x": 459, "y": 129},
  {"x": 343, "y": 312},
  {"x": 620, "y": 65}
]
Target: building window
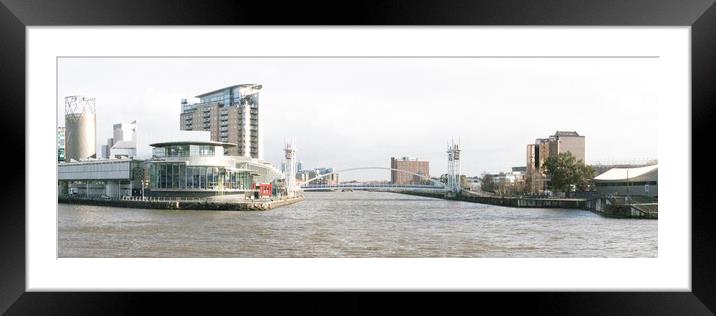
[
  {"x": 178, "y": 151},
  {"x": 206, "y": 150},
  {"x": 159, "y": 152},
  {"x": 189, "y": 178}
]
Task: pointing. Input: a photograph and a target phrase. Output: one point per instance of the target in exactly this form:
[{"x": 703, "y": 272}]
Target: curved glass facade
[
  {"x": 187, "y": 151},
  {"x": 179, "y": 176}
]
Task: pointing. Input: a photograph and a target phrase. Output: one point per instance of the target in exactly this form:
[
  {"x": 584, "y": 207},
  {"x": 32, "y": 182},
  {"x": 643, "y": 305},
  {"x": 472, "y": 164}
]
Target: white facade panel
[{"x": 95, "y": 170}]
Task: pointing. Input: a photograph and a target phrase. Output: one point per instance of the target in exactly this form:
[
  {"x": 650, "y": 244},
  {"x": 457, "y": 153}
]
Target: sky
[{"x": 359, "y": 112}]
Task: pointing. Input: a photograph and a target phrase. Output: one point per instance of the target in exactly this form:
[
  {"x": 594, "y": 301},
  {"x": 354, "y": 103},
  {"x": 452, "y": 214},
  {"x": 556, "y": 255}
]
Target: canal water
[{"x": 353, "y": 224}]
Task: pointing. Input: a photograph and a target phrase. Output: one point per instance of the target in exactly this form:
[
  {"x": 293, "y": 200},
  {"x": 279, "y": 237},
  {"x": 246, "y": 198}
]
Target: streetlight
[{"x": 628, "y": 193}]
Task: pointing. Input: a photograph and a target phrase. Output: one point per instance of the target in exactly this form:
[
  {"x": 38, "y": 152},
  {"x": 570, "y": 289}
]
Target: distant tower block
[
  {"x": 80, "y": 128},
  {"x": 453, "y": 152},
  {"x": 290, "y": 170}
]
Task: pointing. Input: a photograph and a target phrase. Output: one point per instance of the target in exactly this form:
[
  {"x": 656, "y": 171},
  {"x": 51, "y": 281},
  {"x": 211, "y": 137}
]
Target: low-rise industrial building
[
  {"x": 629, "y": 181},
  {"x": 112, "y": 178}
]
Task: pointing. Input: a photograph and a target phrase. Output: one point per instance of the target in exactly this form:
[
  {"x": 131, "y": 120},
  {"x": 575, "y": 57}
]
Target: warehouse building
[
  {"x": 112, "y": 178},
  {"x": 629, "y": 181}
]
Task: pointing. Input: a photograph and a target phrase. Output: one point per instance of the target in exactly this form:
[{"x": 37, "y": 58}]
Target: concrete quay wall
[
  {"x": 600, "y": 206},
  {"x": 252, "y": 205}
]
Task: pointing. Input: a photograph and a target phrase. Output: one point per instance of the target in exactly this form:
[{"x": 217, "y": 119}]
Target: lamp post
[{"x": 628, "y": 193}]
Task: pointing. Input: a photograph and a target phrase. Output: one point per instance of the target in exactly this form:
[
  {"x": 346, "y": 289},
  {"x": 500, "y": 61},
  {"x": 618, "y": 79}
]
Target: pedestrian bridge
[
  {"x": 373, "y": 187},
  {"x": 434, "y": 186}
]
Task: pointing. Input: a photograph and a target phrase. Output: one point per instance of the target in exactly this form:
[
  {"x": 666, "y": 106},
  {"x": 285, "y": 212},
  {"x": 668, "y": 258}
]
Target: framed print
[{"x": 451, "y": 147}]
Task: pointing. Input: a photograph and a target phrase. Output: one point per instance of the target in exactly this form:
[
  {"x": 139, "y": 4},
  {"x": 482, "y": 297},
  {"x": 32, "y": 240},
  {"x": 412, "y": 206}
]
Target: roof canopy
[
  {"x": 648, "y": 173},
  {"x": 246, "y": 85},
  {"x": 566, "y": 133},
  {"x": 165, "y": 144}
]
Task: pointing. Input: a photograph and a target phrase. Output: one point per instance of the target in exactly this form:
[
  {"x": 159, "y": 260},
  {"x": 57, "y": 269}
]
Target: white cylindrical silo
[{"x": 80, "y": 128}]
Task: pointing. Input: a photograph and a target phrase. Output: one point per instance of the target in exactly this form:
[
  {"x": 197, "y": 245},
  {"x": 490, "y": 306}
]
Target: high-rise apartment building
[
  {"x": 410, "y": 165},
  {"x": 231, "y": 115},
  {"x": 543, "y": 148}
]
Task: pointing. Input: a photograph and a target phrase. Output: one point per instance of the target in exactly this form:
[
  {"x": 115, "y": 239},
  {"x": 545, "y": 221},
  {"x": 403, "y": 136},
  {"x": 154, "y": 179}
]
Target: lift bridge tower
[
  {"x": 290, "y": 168},
  {"x": 453, "y": 175}
]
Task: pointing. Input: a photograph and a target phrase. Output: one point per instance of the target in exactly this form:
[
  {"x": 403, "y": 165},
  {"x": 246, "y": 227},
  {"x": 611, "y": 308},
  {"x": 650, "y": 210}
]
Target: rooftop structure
[
  {"x": 566, "y": 133},
  {"x": 628, "y": 174}
]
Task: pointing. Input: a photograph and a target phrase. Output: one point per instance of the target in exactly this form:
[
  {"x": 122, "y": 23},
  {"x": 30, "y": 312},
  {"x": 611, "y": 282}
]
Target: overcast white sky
[{"x": 347, "y": 113}]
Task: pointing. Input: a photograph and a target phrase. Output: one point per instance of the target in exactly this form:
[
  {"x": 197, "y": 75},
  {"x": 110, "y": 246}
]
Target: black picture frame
[{"x": 15, "y": 15}]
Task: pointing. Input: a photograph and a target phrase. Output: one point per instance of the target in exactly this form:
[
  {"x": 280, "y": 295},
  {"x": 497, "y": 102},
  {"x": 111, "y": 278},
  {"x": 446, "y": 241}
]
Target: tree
[
  {"x": 565, "y": 172},
  {"x": 444, "y": 178},
  {"x": 487, "y": 183}
]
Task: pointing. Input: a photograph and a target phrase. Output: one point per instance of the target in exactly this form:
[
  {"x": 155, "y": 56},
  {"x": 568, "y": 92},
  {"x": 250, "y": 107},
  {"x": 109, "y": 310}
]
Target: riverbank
[
  {"x": 204, "y": 204},
  {"x": 608, "y": 207}
]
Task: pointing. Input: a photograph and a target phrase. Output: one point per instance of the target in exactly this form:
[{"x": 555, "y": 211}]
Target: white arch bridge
[{"x": 434, "y": 186}]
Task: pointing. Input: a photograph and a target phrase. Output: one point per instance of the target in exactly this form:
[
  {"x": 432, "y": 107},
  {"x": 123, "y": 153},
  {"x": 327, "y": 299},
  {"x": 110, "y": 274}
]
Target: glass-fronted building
[{"x": 197, "y": 169}]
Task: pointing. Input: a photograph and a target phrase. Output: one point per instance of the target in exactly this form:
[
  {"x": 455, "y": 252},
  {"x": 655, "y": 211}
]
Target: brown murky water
[{"x": 353, "y": 224}]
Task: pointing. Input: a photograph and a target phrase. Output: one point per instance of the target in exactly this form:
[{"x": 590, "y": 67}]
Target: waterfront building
[
  {"x": 176, "y": 169},
  {"x": 473, "y": 183},
  {"x": 204, "y": 168},
  {"x": 80, "y": 128},
  {"x": 641, "y": 181},
  {"x": 413, "y": 165},
  {"x": 231, "y": 114},
  {"x": 60, "y": 143},
  {"x": 509, "y": 178},
  {"x": 543, "y": 148},
  {"x": 100, "y": 178}
]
